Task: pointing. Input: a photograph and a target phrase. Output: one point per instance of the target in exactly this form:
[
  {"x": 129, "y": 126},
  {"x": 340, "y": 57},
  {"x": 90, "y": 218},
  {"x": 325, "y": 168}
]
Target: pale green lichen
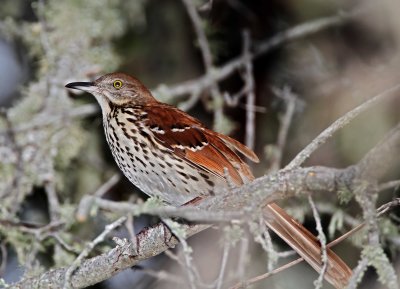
[
  {"x": 378, "y": 259},
  {"x": 224, "y": 125},
  {"x": 336, "y": 223},
  {"x": 232, "y": 235},
  {"x": 345, "y": 195},
  {"x": 3, "y": 284},
  {"x": 259, "y": 230},
  {"x": 177, "y": 229},
  {"x": 71, "y": 39}
]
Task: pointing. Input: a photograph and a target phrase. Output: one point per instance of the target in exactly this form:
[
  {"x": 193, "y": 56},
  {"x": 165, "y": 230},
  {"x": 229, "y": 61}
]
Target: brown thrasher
[{"x": 171, "y": 155}]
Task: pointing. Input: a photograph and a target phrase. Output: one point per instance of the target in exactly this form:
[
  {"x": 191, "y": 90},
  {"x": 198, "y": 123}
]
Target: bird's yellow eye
[{"x": 117, "y": 84}]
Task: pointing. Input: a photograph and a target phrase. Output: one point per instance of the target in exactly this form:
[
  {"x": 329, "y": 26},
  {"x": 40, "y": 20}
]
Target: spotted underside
[{"x": 172, "y": 159}]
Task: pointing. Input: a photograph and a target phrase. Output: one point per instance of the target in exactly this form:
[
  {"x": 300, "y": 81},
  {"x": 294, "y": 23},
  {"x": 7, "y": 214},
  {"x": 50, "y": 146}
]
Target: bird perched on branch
[{"x": 169, "y": 154}]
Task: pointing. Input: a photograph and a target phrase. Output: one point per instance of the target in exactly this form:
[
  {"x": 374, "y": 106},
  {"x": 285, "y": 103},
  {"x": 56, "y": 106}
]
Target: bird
[{"x": 171, "y": 155}]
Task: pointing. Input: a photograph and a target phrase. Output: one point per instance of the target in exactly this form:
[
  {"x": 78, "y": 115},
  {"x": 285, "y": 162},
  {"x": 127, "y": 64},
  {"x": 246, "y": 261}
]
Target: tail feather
[{"x": 306, "y": 245}]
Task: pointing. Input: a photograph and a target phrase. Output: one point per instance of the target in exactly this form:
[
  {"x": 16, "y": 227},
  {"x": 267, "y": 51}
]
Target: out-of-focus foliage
[{"x": 68, "y": 39}]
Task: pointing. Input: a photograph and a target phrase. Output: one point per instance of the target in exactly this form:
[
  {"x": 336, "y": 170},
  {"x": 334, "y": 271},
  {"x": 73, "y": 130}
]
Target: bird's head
[{"x": 116, "y": 89}]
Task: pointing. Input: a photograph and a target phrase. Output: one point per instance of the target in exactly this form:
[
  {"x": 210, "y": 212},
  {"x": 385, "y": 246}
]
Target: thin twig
[
  {"x": 187, "y": 251},
  {"x": 308, "y": 28},
  {"x": 86, "y": 203},
  {"x": 262, "y": 236},
  {"x": 383, "y": 162},
  {"x": 32, "y": 228},
  {"x": 224, "y": 261},
  {"x": 187, "y": 212},
  {"x": 286, "y": 254},
  {"x": 201, "y": 35},
  {"x": 388, "y": 206},
  {"x": 250, "y": 87},
  {"x": 190, "y": 102},
  {"x": 172, "y": 255},
  {"x": 88, "y": 248},
  {"x": 52, "y": 199},
  {"x": 389, "y": 185},
  {"x": 269, "y": 248},
  {"x": 366, "y": 194},
  {"x": 162, "y": 275},
  {"x": 207, "y": 58},
  {"x": 19, "y": 164},
  {"x": 107, "y": 185},
  {"x": 63, "y": 244},
  {"x": 54, "y": 212},
  {"x": 242, "y": 260},
  {"x": 338, "y": 124},
  {"x": 256, "y": 279},
  {"x": 130, "y": 227},
  {"x": 3, "y": 264},
  {"x": 322, "y": 239},
  {"x": 290, "y": 100},
  {"x": 183, "y": 263},
  {"x": 219, "y": 73},
  {"x": 358, "y": 273}
]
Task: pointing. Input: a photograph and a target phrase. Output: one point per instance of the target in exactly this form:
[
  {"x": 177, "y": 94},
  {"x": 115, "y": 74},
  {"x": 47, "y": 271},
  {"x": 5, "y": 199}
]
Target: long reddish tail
[{"x": 306, "y": 245}]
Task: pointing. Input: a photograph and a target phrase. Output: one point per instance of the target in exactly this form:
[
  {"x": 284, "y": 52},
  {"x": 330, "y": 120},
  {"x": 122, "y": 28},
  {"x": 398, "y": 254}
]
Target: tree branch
[{"x": 338, "y": 124}]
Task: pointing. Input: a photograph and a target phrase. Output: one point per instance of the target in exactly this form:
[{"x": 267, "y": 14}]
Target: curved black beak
[{"x": 80, "y": 85}]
